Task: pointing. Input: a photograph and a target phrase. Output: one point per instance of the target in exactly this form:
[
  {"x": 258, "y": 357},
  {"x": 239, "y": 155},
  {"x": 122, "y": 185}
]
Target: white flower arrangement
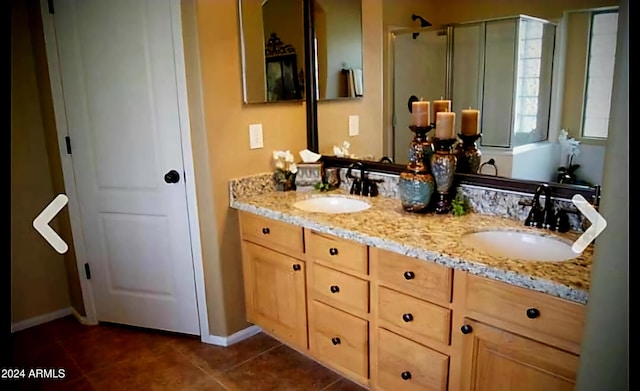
[{"x": 285, "y": 168}]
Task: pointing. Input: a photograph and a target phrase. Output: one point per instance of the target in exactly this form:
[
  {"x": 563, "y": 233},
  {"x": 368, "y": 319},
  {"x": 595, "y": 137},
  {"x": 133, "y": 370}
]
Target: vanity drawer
[
  {"x": 339, "y": 338},
  {"x": 405, "y": 365},
  {"x": 413, "y": 318},
  {"x": 339, "y": 252},
  {"x": 548, "y": 315},
  {"x": 271, "y": 233},
  {"x": 419, "y": 278},
  {"x": 340, "y": 289}
]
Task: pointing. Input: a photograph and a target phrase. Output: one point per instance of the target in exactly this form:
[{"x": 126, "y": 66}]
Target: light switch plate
[
  {"x": 255, "y": 136},
  {"x": 354, "y": 125}
]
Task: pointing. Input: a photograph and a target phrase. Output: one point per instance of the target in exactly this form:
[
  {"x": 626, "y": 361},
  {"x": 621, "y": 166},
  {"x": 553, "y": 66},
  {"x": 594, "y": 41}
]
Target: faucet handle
[
  {"x": 369, "y": 188},
  {"x": 356, "y": 186},
  {"x": 535, "y": 217}
]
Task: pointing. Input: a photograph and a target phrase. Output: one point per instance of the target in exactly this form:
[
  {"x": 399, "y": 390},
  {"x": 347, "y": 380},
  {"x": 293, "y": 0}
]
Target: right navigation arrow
[{"x": 598, "y": 223}]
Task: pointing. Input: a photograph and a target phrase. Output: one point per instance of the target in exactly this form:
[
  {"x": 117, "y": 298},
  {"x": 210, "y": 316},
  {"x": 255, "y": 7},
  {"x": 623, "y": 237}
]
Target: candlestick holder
[
  {"x": 468, "y": 154},
  {"x": 421, "y": 137},
  {"x": 443, "y": 167},
  {"x": 416, "y": 185}
]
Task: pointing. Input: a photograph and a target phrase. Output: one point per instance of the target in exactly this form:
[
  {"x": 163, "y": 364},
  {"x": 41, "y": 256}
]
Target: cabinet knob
[
  {"x": 296, "y": 267},
  {"x": 533, "y": 313},
  {"x": 466, "y": 329},
  {"x": 407, "y": 317},
  {"x": 265, "y": 231},
  {"x": 335, "y": 341},
  {"x": 409, "y": 275},
  {"x": 406, "y": 375},
  {"x": 335, "y": 289},
  {"x": 333, "y": 251}
]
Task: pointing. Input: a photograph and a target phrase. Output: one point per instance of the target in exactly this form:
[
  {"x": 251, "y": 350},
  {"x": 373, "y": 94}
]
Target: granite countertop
[{"x": 432, "y": 237}]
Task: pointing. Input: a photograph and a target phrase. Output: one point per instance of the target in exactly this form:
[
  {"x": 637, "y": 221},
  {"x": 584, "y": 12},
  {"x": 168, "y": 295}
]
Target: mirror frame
[{"x": 558, "y": 190}]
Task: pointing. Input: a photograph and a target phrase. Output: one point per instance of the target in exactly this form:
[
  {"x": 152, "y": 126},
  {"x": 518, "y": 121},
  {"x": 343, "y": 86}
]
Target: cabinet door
[
  {"x": 497, "y": 360},
  {"x": 275, "y": 293}
]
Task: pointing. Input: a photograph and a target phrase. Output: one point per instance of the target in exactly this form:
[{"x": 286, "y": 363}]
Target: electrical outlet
[
  {"x": 354, "y": 125},
  {"x": 255, "y": 136}
]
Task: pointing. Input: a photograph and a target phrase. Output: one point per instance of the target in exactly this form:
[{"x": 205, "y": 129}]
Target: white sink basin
[
  {"x": 332, "y": 205},
  {"x": 520, "y": 245}
]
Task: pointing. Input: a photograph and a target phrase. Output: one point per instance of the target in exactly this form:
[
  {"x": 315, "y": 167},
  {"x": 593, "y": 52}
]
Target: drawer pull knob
[
  {"x": 409, "y": 275},
  {"x": 405, "y": 375},
  {"x": 333, "y": 251},
  {"x": 533, "y": 313},
  {"x": 407, "y": 317},
  {"x": 265, "y": 231},
  {"x": 466, "y": 329},
  {"x": 335, "y": 341},
  {"x": 335, "y": 289},
  {"x": 296, "y": 267}
]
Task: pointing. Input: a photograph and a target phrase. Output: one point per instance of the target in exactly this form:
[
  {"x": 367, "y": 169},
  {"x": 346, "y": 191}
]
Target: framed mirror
[
  {"x": 272, "y": 50},
  {"x": 338, "y": 49}
]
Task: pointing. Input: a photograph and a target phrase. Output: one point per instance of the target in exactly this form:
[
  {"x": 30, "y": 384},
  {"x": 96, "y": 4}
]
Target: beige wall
[
  {"x": 224, "y": 141},
  {"x": 333, "y": 116},
  {"x": 38, "y": 274}
]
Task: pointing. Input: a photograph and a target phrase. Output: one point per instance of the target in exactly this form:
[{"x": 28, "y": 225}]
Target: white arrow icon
[
  {"x": 41, "y": 223},
  {"x": 598, "y": 223}
]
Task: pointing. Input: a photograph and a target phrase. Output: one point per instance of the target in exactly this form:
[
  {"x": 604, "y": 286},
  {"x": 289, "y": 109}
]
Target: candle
[
  {"x": 441, "y": 105},
  {"x": 444, "y": 125},
  {"x": 470, "y": 123},
  {"x": 420, "y": 113}
]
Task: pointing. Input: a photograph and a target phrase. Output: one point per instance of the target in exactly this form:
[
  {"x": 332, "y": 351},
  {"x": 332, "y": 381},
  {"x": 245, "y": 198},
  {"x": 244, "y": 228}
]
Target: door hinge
[
  {"x": 50, "y": 4},
  {"x": 87, "y": 271},
  {"x": 67, "y": 140}
]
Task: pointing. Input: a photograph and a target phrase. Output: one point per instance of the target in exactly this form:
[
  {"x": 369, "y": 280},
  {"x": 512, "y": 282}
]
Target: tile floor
[{"x": 110, "y": 357}]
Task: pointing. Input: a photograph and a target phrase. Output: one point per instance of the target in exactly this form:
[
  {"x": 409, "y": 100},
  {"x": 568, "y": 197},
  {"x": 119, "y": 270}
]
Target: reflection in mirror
[
  {"x": 577, "y": 104},
  {"x": 272, "y": 46},
  {"x": 420, "y": 71},
  {"x": 338, "y": 33}
]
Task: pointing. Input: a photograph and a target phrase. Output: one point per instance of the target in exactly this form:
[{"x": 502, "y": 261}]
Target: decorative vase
[
  {"x": 443, "y": 167},
  {"x": 285, "y": 185},
  {"x": 468, "y": 154},
  {"x": 416, "y": 184}
]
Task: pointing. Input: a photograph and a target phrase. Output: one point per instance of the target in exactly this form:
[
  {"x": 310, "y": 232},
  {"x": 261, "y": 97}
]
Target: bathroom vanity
[{"x": 394, "y": 300}]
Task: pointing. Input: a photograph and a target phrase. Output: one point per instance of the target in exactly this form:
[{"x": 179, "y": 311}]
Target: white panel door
[{"x": 121, "y": 99}]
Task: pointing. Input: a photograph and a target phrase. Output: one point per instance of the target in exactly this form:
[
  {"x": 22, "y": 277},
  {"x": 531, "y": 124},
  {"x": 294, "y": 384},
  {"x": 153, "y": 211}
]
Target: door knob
[{"x": 172, "y": 177}]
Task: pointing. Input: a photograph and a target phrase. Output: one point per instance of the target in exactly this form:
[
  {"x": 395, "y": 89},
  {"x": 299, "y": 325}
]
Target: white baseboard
[
  {"x": 82, "y": 319},
  {"x": 233, "y": 338},
  {"x": 40, "y": 319}
]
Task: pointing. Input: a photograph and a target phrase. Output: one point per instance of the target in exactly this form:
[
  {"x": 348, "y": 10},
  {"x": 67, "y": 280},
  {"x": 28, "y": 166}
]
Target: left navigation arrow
[{"x": 41, "y": 223}]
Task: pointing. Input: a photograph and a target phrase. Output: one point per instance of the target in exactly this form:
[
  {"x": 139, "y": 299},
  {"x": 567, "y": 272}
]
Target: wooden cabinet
[
  {"x": 512, "y": 338},
  {"x": 392, "y": 322},
  {"x": 339, "y": 338},
  {"x": 498, "y": 360},
  {"x": 412, "y": 318},
  {"x": 275, "y": 293},
  {"x": 406, "y": 365}
]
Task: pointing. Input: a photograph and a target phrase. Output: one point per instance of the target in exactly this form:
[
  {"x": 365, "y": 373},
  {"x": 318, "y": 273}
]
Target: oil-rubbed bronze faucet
[
  {"x": 546, "y": 216},
  {"x": 362, "y": 185}
]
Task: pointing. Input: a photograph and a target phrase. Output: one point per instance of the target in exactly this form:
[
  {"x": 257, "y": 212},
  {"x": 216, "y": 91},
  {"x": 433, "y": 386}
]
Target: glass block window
[
  {"x": 599, "y": 80},
  {"x": 529, "y": 66}
]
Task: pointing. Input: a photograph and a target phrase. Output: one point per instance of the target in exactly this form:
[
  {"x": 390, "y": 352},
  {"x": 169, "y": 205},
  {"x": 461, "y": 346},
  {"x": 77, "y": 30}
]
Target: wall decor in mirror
[
  {"x": 544, "y": 122},
  {"x": 338, "y": 40},
  {"x": 272, "y": 50}
]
